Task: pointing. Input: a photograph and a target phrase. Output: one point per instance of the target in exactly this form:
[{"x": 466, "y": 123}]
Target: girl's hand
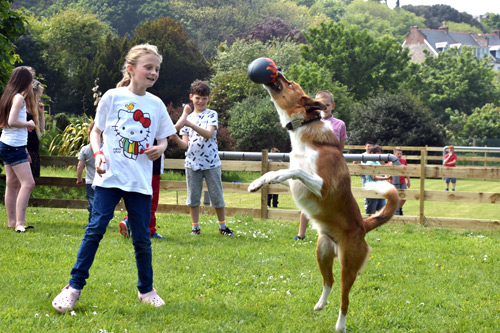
[
  {"x": 153, "y": 153},
  {"x": 40, "y": 108},
  {"x": 31, "y": 125},
  {"x": 100, "y": 166}
]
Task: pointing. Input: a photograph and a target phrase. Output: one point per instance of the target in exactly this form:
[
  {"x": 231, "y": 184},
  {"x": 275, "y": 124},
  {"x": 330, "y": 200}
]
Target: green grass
[{"x": 417, "y": 279}]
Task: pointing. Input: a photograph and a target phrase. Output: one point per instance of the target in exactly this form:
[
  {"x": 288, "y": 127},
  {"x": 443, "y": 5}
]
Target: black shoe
[
  {"x": 226, "y": 232},
  {"x": 196, "y": 232}
]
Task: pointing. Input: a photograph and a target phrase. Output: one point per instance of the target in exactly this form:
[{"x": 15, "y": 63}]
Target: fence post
[
  {"x": 264, "y": 190},
  {"x": 423, "y": 162},
  {"x": 485, "y": 156}
]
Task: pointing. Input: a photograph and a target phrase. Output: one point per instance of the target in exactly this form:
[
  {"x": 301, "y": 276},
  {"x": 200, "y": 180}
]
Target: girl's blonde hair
[
  {"x": 132, "y": 58},
  {"x": 32, "y": 100}
]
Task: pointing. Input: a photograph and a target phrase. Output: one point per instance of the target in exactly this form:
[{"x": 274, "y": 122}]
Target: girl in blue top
[
  {"x": 129, "y": 120},
  {"x": 19, "y": 179}
]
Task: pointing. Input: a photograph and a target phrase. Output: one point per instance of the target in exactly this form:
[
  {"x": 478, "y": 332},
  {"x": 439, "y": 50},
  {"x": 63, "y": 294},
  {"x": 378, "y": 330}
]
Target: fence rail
[{"x": 422, "y": 171}]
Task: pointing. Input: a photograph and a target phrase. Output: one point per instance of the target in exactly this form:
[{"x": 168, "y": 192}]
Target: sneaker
[
  {"x": 157, "y": 236},
  {"x": 446, "y": 189},
  {"x": 124, "y": 228},
  {"x": 196, "y": 232},
  {"x": 151, "y": 298},
  {"x": 298, "y": 237},
  {"x": 453, "y": 190},
  {"x": 226, "y": 232},
  {"x": 65, "y": 300}
]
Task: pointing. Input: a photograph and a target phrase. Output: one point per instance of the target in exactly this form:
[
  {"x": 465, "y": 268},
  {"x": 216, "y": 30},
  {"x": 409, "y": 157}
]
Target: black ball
[{"x": 262, "y": 70}]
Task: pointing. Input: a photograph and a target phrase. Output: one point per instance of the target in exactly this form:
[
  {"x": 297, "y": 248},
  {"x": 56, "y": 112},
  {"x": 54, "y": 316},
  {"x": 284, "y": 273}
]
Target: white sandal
[
  {"x": 152, "y": 298},
  {"x": 65, "y": 300}
]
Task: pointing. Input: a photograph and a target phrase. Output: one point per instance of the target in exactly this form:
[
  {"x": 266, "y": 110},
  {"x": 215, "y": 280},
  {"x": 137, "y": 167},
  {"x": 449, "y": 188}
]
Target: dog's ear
[{"x": 312, "y": 105}]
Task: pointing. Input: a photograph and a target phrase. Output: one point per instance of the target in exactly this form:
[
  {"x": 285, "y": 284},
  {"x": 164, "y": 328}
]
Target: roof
[{"x": 435, "y": 37}]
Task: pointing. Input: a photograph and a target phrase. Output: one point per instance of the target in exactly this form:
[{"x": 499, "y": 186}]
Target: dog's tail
[{"x": 391, "y": 195}]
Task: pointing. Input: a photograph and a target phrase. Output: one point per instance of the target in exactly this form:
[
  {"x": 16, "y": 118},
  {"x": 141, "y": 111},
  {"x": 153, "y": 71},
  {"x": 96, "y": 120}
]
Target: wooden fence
[{"x": 421, "y": 171}]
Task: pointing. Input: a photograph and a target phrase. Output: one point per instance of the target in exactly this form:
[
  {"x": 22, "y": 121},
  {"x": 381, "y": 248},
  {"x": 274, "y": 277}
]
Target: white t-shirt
[
  {"x": 16, "y": 136},
  {"x": 129, "y": 124},
  {"x": 202, "y": 154},
  {"x": 87, "y": 156}
]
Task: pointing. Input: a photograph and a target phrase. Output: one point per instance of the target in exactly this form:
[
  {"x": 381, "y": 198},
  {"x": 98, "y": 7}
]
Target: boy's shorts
[
  {"x": 13, "y": 155},
  {"x": 194, "y": 181},
  {"x": 453, "y": 180}
]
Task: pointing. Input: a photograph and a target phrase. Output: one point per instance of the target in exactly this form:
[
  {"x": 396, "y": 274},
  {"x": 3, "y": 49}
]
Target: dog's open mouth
[{"x": 277, "y": 85}]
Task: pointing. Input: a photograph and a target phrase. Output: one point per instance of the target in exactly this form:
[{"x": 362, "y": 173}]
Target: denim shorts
[
  {"x": 453, "y": 180},
  {"x": 13, "y": 155}
]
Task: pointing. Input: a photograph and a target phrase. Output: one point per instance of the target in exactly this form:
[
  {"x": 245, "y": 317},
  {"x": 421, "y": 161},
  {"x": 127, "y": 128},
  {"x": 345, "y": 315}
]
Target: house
[{"x": 435, "y": 41}]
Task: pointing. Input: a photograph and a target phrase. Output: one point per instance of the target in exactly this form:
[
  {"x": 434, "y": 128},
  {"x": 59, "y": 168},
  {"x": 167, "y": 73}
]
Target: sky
[{"x": 473, "y": 7}]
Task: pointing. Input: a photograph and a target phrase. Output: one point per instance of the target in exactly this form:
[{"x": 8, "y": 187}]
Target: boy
[
  {"x": 450, "y": 161},
  {"x": 86, "y": 161},
  {"x": 404, "y": 181},
  {"x": 202, "y": 157},
  {"x": 338, "y": 128},
  {"x": 373, "y": 205}
]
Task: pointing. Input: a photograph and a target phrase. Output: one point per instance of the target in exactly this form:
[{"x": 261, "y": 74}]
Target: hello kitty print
[{"x": 133, "y": 128}]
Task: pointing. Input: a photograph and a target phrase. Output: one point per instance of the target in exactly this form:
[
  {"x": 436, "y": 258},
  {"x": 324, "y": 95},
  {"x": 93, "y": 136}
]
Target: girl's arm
[
  {"x": 154, "y": 152},
  {"x": 95, "y": 144},
  {"x": 13, "y": 121},
  {"x": 41, "y": 117}
]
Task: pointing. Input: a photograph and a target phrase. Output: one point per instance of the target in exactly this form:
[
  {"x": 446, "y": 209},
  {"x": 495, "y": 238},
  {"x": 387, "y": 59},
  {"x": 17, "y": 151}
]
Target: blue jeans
[
  {"x": 90, "y": 198},
  {"x": 138, "y": 207},
  {"x": 373, "y": 205}
]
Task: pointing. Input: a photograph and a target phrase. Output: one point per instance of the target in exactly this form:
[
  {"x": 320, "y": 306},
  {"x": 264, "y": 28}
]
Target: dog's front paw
[{"x": 256, "y": 185}]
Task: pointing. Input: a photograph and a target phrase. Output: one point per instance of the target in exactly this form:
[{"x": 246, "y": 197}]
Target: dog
[{"x": 320, "y": 184}]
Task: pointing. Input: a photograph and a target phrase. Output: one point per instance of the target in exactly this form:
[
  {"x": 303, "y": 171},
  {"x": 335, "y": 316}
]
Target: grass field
[{"x": 417, "y": 279}]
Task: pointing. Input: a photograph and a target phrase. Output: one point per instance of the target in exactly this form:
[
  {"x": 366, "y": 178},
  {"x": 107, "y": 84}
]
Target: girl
[
  {"x": 19, "y": 180},
  {"x": 129, "y": 119},
  {"x": 35, "y": 113}
]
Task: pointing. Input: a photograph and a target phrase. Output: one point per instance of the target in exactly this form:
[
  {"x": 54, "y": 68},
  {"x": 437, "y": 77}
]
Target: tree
[
  {"x": 333, "y": 9},
  {"x": 437, "y": 14},
  {"x": 255, "y": 125},
  {"x": 455, "y": 79},
  {"x": 491, "y": 22},
  {"x": 182, "y": 61},
  {"x": 67, "y": 42},
  {"x": 395, "y": 120},
  {"x": 380, "y": 20},
  {"x": 356, "y": 59},
  {"x": 12, "y": 24},
  {"x": 483, "y": 123}
]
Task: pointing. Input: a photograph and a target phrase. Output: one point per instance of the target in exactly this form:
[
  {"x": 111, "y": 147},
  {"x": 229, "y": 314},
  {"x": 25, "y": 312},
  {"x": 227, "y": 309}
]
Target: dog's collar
[{"x": 300, "y": 122}]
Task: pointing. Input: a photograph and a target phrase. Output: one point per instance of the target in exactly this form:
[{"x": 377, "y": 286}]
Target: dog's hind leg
[
  {"x": 353, "y": 253},
  {"x": 325, "y": 253}
]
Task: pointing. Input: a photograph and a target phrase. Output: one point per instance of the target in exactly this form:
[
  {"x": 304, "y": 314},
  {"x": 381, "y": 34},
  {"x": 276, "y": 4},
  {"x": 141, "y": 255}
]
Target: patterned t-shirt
[{"x": 202, "y": 154}]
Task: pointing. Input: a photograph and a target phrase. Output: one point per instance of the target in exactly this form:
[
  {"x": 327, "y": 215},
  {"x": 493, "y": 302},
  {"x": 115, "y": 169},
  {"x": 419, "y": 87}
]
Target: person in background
[
  {"x": 450, "y": 161},
  {"x": 273, "y": 198},
  {"x": 86, "y": 161},
  {"x": 19, "y": 179},
  {"x": 374, "y": 204},
  {"x": 38, "y": 118},
  {"x": 404, "y": 181}
]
